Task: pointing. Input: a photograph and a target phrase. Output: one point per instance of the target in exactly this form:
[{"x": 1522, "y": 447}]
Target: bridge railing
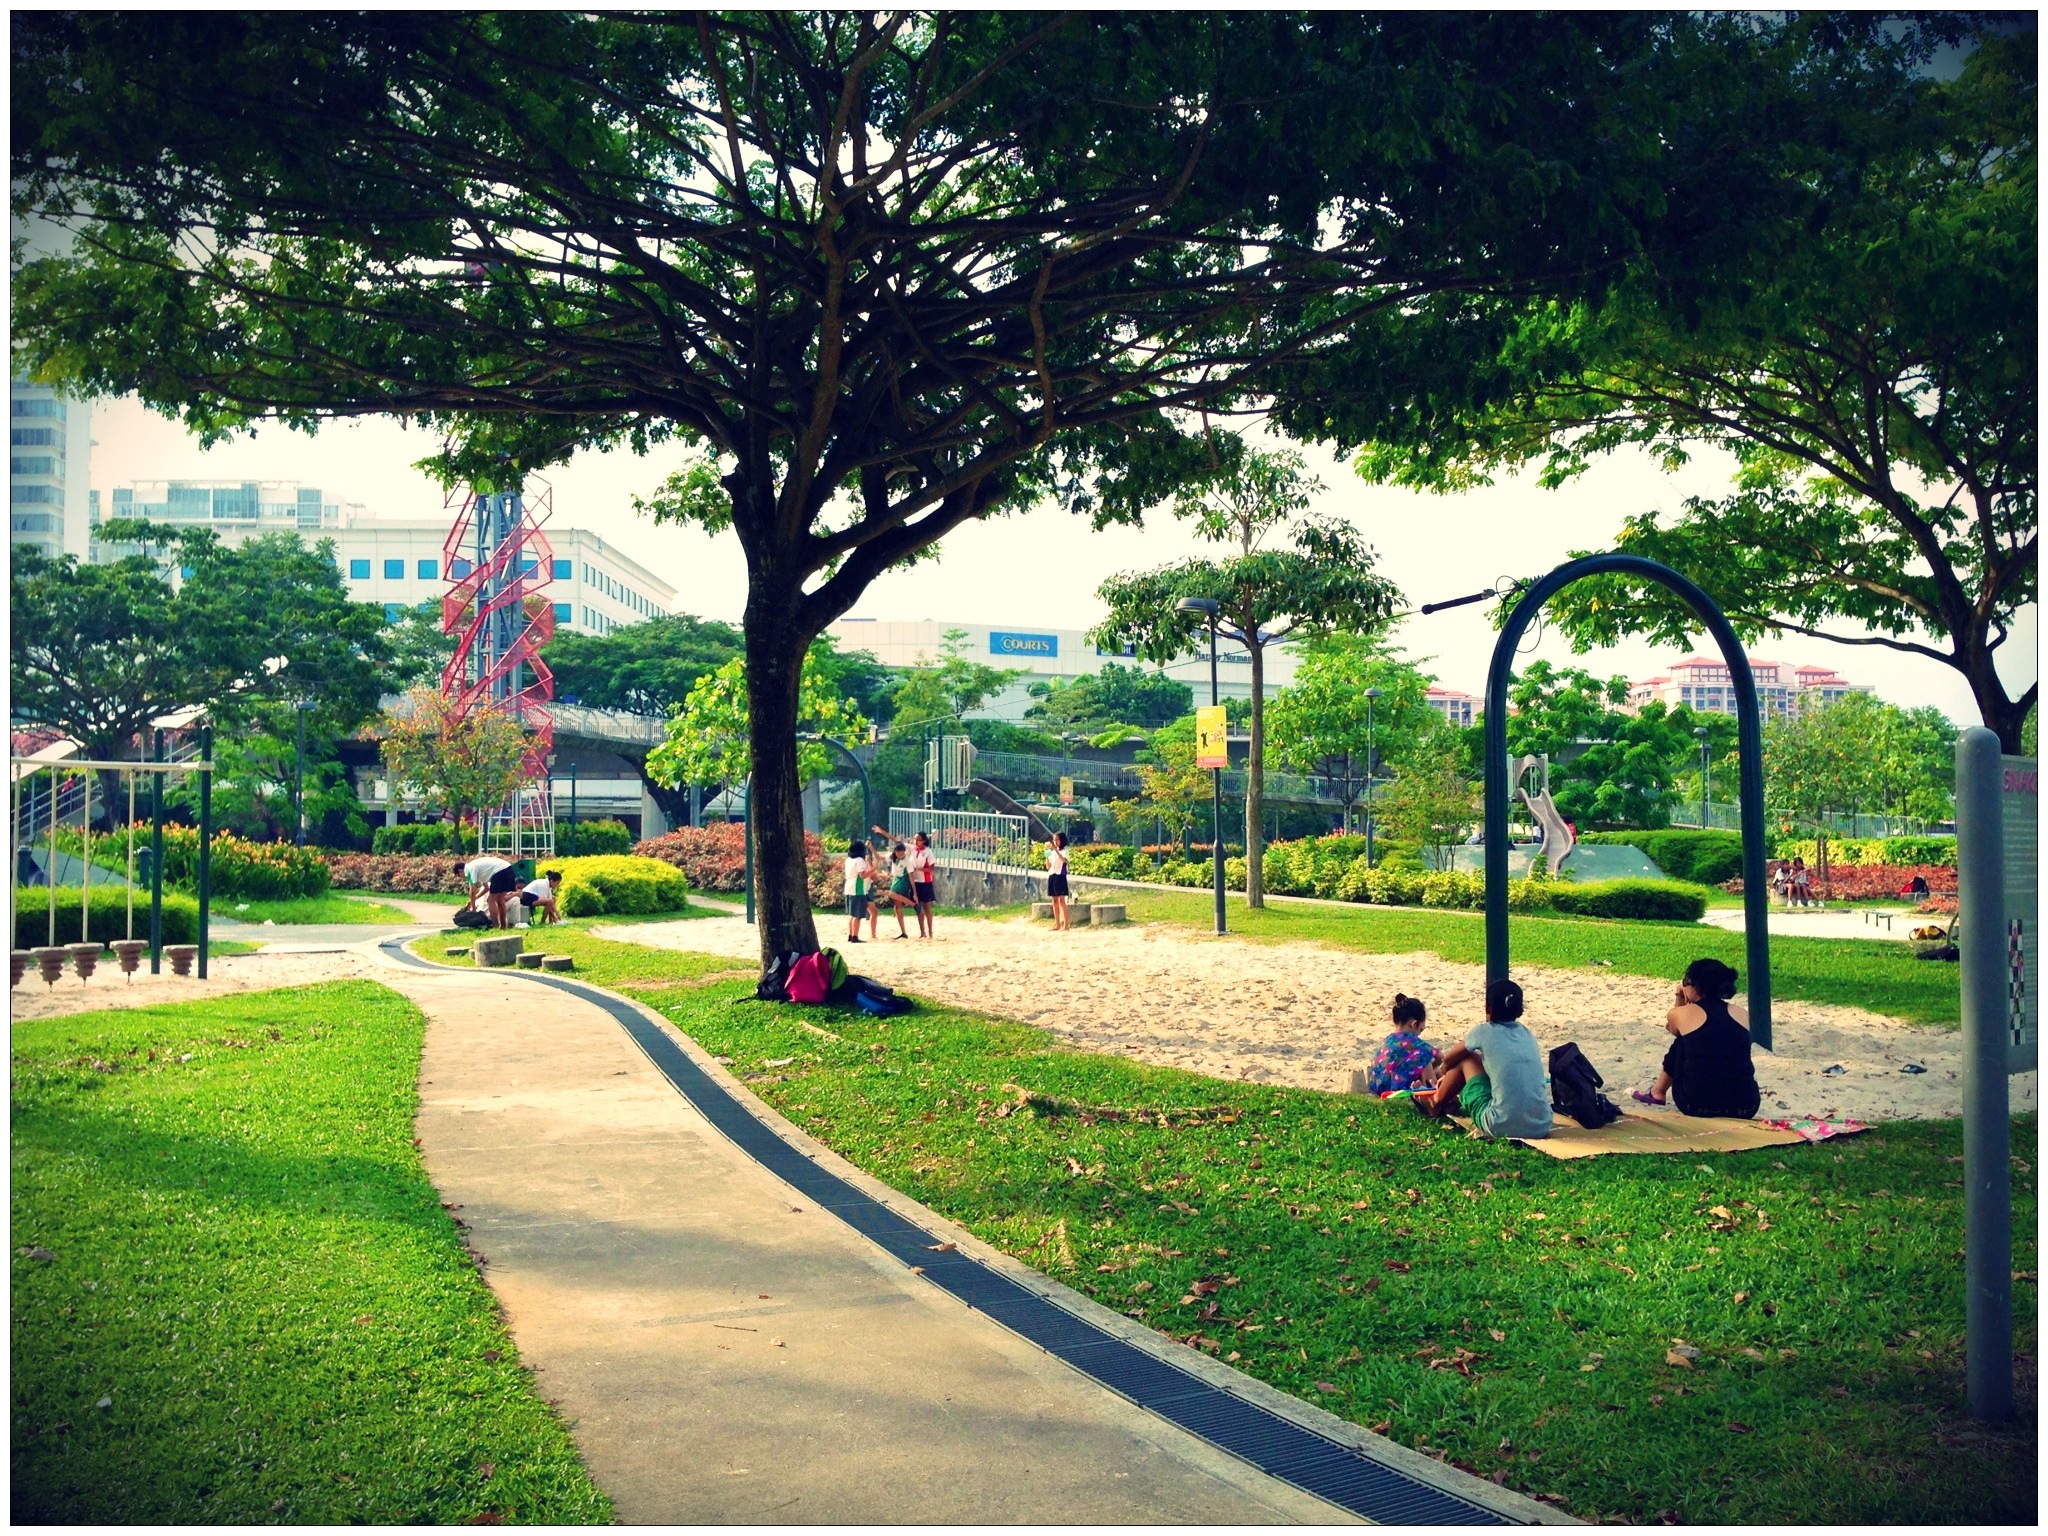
[
  {"x": 986, "y": 841},
  {"x": 1015, "y": 770}
]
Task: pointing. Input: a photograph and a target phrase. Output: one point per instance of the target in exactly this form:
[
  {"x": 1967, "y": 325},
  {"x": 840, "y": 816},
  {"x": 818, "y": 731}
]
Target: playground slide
[
  {"x": 996, "y": 800},
  {"x": 1558, "y": 838}
]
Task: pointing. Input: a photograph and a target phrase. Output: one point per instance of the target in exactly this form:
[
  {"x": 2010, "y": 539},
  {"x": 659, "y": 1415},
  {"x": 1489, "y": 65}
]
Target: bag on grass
[
  {"x": 773, "y": 987},
  {"x": 1575, "y": 1085},
  {"x": 469, "y": 917},
  {"x": 810, "y": 978}
]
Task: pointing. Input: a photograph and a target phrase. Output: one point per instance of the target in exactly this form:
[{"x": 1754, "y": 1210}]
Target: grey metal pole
[
  {"x": 205, "y": 844},
  {"x": 1987, "y": 1148},
  {"x": 299, "y": 779},
  {"x": 572, "y": 811},
  {"x": 156, "y": 865},
  {"x": 747, "y": 825},
  {"x": 1216, "y": 782},
  {"x": 1701, "y": 732},
  {"x": 1370, "y": 695}
]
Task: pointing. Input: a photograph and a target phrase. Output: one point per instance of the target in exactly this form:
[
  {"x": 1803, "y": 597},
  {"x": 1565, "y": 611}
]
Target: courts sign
[{"x": 1002, "y": 643}]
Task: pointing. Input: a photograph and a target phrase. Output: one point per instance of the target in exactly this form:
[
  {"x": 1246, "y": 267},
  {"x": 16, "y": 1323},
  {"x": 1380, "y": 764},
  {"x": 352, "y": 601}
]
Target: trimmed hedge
[
  {"x": 109, "y": 916},
  {"x": 618, "y": 884},
  {"x": 240, "y": 866},
  {"x": 398, "y": 873},
  {"x": 1900, "y": 851},
  {"x": 420, "y": 838},
  {"x": 1645, "y": 900},
  {"x": 1702, "y": 858},
  {"x": 605, "y": 835},
  {"x": 714, "y": 858}
]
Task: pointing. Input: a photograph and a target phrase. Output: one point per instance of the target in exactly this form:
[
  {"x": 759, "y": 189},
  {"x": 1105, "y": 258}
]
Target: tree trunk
[
  {"x": 775, "y": 656},
  {"x": 1255, "y": 779}
]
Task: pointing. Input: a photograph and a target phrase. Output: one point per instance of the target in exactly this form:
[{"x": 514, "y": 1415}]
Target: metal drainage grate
[{"x": 1338, "y": 1473}]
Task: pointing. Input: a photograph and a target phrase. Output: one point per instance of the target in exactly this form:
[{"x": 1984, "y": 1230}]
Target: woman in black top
[{"x": 1707, "y": 1071}]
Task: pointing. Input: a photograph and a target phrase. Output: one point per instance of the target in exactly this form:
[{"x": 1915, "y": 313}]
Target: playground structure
[
  {"x": 37, "y": 807},
  {"x": 1558, "y": 838},
  {"x": 497, "y": 562}
]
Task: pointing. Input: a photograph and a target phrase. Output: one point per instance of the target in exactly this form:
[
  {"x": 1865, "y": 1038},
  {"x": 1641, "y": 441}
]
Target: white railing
[{"x": 979, "y": 840}]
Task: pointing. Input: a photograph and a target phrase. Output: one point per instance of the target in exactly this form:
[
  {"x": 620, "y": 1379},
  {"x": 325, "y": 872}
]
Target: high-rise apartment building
[
  {"x": 49, "y": 462},
  {"x": 1704, "y": 683}
]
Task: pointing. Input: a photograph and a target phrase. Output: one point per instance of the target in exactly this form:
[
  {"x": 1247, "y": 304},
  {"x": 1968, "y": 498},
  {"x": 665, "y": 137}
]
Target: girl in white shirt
[
  {"x": 856, "y": 870},
  {"x": 1056, "y": 879}
]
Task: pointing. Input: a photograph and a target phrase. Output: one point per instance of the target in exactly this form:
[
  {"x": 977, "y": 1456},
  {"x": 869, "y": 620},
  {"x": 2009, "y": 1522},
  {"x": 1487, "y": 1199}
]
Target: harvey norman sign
[{"x": 1002, "y": 643}]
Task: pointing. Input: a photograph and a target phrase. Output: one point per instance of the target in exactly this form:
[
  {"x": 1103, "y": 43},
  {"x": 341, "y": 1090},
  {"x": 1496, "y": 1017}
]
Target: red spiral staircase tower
[{"x": 498, "y": 563}]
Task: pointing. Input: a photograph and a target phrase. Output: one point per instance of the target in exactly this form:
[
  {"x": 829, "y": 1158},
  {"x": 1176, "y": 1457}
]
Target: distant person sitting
[
  {"x": 1404, "y": 1059},
  {"x": 1497, "y": 1077},
  {"x": 1708, "y": 1070},
  {"x": 539, "y": 898},
  {"x": 494, "y": 880},
  {"x": 1917, "y": 886}
]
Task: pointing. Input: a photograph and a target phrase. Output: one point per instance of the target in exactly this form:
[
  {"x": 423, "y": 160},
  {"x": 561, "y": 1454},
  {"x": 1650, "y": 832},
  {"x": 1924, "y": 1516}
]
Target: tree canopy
[
  {"x": 1875, "y": 380},
  {"x": 706, "y": 742},
  {"x": 887, "y": 272},
  {"x": 1322, "y": 723}
]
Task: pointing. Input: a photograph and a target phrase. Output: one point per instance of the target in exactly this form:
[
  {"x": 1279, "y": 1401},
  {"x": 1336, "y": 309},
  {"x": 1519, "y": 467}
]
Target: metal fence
[
  {"x": 1840, "y": 823},
  {"x": 979, "y": 840},
  {"x": 1094, "y": 778}
]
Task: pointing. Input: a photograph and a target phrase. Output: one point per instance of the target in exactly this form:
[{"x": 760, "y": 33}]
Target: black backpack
[
  {"x": 1575, "y": 1085},
  {"x": 773, "y": 987},
  {"x": 469, "y": 917}
]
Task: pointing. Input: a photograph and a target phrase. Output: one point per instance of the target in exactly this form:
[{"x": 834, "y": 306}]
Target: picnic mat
[{"x": 1681, "y": 1133}]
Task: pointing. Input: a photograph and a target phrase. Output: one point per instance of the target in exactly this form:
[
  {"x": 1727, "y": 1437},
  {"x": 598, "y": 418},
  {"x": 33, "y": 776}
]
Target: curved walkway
[{"x": 727, "y": 1351}]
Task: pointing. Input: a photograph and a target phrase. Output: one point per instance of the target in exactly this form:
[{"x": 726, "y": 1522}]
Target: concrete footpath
[{"x": 725, "y": 1352}]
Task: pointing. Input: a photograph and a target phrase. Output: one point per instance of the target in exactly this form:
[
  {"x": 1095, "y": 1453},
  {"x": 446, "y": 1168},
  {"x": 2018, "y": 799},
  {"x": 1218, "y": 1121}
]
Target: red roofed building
[{"x": 1703, "y": 683}]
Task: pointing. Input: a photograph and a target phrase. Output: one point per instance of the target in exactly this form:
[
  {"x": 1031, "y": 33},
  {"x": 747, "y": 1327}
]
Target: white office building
[
  {"x": 49, "y": 461},
  {"x": 1704, "y": 683},
  {"x": 395, "y": 561},
  {"x": 1047, "y": 655}
]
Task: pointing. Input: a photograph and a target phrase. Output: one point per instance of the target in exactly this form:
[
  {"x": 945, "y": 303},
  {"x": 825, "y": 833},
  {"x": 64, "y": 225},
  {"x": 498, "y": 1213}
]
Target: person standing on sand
[
  {"x": 1056, "y": 880},
  {"x": 856, "y": 871},
  {"x": 877, "y": 877},
  {"x": 924, "y": 883}
]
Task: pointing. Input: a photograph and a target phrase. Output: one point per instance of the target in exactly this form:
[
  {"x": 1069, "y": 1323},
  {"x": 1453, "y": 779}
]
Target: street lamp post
[
  {"x": 1701, "y": 732},
  {"x": 299, "y": 708},
  {"x": 1370, "y": 695},
  {"x": 1211, "y": 608}
]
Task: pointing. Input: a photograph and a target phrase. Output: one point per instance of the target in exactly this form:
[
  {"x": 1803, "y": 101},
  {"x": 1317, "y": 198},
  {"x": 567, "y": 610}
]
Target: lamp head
[
  {"x": 1372, "y": 693},
  {"x": 1202, "y": 605},
  {"x": 1701, "y": 732}
]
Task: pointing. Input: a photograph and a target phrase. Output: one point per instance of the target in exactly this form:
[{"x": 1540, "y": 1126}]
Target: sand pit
[
  {"x": 1306, "y": 1015},
  {"x": 229, "y": 974}
]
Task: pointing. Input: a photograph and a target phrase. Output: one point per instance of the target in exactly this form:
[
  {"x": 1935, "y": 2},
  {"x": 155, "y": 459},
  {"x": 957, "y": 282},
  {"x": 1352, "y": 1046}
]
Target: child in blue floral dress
[{"x": 1404, "y": 1058}]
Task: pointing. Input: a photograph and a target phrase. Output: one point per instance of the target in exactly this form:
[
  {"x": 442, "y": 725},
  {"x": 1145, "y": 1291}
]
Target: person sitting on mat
[
  {"x": 1404, "y": 1058},
  {"x": 1497, "y": 1076},
  {"x": 1708, "y": 1070}
]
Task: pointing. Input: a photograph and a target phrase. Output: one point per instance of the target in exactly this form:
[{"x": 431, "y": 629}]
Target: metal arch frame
[{"x": 1749, "y": 726}]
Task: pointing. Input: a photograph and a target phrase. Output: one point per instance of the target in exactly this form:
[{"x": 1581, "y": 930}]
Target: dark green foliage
[
  {"x": 251, "y": 1263},
  {"x": 109, "y": 915},
  {"x": 1702, "y": 858},
  {"x": 423, "y": 837},
  {"x": 643, "y": 669},
  {"x": 1510, "y": 1313},
  {"x": 604, "y": 835},
  {"x": 1656, "y": 900}
]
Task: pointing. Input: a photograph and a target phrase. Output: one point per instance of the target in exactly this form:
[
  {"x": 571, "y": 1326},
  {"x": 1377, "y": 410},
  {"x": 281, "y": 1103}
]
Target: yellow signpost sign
[
  {"x": 1211, "y": 746},
  {"x": 1066, "y": 791}
]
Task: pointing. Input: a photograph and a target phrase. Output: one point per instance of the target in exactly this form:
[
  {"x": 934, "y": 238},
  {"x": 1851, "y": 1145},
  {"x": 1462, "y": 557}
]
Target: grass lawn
[
  {"x": 1431, "y": 1286},
  {"x": 1879, "y": 974},
  {"x": 334, "y": 907},
  {"x": 236, "y": 1297}
]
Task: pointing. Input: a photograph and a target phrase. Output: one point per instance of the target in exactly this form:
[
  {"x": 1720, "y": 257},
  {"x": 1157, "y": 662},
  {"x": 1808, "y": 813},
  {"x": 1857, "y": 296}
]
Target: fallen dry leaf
[
  {"x": 1397, "y": 1266},
  {"x": 1326, "y": 1386},
  {"x": 1721, "y": 1211},
  {"x": 1737, "y": 1427},
  {"x": 1497, "y": 1336},
  {"x": 1741, "y": 1297},
  {"x": 1673, "y": 1357}
]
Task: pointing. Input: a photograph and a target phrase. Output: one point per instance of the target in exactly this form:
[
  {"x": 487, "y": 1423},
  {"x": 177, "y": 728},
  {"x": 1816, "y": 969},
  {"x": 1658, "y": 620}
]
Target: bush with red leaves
[
  {"x": 1869, "y": 882},
  {"x": 714, "y": 858},
  {"x": 396, "y": 872}
]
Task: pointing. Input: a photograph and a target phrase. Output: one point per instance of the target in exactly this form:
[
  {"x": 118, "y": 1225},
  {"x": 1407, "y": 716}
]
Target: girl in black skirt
[
  {"x": 1708, "y": 1070},
  {"x": 1056, "y": 879}
]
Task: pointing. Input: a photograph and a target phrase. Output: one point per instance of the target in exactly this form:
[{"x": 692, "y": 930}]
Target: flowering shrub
[
  {"x": 399, "y": 873},
  {"x": 1868, "y": 882},
  {"x": 714, "y": 858},
  {"x": 1874, "y": 851},
  {"x": 239, "y": 865}
]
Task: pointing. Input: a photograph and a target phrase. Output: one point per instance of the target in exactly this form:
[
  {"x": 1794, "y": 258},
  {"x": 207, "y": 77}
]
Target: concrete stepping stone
[
  {"x": 1041, "y": 909},
  {"x": 502, "y": 950},
  {"x": 558, "y": 962},
  {"x": 529, "y": 960},
  {"x": 1105, "y": 912}
]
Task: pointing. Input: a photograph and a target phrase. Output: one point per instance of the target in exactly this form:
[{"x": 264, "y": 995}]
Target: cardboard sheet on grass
[{"x": 1681, "y": 1133}]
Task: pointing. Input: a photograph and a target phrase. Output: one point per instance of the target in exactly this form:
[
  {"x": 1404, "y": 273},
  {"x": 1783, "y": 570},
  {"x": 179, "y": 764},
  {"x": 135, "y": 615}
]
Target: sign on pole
[
  {"x": 1066, "y": 791},
  {"x": 1996, "y": 901},
  {"x": 2019, "y": 786},
  {"x": 1212, "y": 746}
]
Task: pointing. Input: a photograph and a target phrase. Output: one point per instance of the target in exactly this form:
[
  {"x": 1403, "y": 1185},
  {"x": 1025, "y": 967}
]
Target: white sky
[{"x": 1040, "y": 569}]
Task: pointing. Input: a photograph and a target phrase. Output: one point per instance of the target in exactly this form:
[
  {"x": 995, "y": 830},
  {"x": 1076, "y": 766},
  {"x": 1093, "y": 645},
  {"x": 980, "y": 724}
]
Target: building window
[
  {"x": 184, "y": 573},
  {"x": 457, "y": 569},
  {"x": 562, "y": 613},
  {"x": 528, "y": 567},
  {"x": 562, "y": 568},
  {"x": 393, "y": 612},
  {"x": 359, "y": 570},
  {"x": 394, "y": 570},
  {"x": 430, "y": 570}
]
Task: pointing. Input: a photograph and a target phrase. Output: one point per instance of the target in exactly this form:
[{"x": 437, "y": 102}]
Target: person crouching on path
[
  {"x": 1708, "y": 1070},
  {"x": 495, "y": 880},
  {"x": 538, "y": 897},
  {"x": 1497, "y": 1076},
  {"x": 923, "y": 883},
  {"x": 1056, "y": 879},
  {"x": 1404, "y": 1058},
  {"x": 856, "y": 889}
]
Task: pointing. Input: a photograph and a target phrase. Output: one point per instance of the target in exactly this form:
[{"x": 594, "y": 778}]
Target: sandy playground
[
  {"x": 228, "y": 974},
  {"x": 1306, "y": 1015}
]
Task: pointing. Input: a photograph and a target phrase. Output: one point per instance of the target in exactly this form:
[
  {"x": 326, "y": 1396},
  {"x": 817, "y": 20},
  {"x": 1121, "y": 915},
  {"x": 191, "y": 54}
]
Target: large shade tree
[{"x": 886, "y": 272}]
